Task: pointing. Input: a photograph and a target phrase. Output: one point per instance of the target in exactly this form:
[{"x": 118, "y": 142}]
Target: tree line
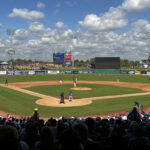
[{"x": 124, "y": 63}]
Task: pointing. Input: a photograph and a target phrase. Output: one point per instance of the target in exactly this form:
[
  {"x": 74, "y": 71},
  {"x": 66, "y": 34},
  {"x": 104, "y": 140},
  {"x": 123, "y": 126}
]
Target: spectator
[
  {"x": 9, "y": 139},
  {"x": 70, "y": 141},
  {"x": 46, "y": 141},
  {"x": 134, "y": 115},
  {"x": 35, "y": 116},
  {"x": 82, "y": 131}
]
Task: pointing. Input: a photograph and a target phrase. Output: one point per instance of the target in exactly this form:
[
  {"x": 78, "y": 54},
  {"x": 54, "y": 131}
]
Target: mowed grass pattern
[
  {"x": 23, "y": 104},
  {"x": 85, "y": 77},
  {"x": 19, "y": 103},
  {"x": 96, "y": 90}
]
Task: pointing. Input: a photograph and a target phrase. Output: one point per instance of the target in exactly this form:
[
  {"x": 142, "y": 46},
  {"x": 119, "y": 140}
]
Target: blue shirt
[{"x": 70, "y": 93}]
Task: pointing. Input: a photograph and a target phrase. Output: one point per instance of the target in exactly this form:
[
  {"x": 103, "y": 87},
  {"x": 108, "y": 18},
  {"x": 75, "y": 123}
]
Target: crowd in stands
[
  {"x": 66, "y": 133},
  {"x": 36, "y": 66}
]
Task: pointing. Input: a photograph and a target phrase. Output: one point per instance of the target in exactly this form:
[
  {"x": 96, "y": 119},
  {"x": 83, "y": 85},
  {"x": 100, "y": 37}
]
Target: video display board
[
  {"x": 58, "y": 58},
  {"x": 67, "y": 56},
  {"x": 107, "y": 62},
  {"x": 68, "y": 59}
]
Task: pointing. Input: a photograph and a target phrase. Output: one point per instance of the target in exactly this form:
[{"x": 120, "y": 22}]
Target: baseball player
[
  {"x": 118, "y": 79},
  {"x": 60, "y": 81},
  {"x": 6, "y": 82},
  {"x": 76, "y": 78},
  {"x": 75, "y": 83},
  {"x": 62, "y": 98},
  {"x": 70, "y": 96}
]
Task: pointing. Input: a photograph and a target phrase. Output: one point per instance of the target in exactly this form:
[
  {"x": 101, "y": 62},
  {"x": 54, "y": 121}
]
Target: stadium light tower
[
  {"x": 148, "y": 59},
  {"x": 72, "y": 48},
  {"x": 11, "y": 52}
]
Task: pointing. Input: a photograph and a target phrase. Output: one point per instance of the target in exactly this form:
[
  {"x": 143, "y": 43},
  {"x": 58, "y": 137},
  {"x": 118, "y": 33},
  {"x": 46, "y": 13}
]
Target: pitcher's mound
[{"x": 81, "y": 88}]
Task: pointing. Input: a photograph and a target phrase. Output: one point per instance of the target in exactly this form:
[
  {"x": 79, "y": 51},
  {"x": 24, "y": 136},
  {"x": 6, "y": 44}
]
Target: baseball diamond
[{"x": 49, "y": 103}]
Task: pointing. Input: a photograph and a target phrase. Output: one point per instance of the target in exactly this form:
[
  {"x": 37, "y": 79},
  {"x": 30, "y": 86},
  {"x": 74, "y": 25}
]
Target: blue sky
[{"x": 87, "y": 28}]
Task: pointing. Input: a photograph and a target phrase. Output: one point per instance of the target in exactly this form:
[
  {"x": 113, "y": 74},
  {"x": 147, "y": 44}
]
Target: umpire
[{"x": 62, "y": 98}]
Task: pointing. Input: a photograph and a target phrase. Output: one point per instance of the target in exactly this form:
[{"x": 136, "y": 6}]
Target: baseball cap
[{"x": 35, "y": 109}]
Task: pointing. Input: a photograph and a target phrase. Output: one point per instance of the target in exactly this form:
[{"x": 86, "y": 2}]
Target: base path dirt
[{"x": 54, "y": 102}]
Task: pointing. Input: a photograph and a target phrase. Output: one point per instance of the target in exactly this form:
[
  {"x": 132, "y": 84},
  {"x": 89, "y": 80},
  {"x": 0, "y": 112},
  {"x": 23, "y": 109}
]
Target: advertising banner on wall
[
  {"x": 31, "y": 72},
  {"x": 143, "y": 72},
  {"x": 68, "y": 63},
  {"x": 131, "y": 72},
  {"x": 91, "y": 71},
  {"x": 138, "y": 72},
  {"x": 124, "y": 71},
  {"x": 40, "y": 72},
  {"x": 10, "y": 72},
  {"x": 2, "y": 72},
  {"x": 53, "y": 71},
  {"x": 75, "y": 71},
  {"x": 80, "y": 71},
  {"x": 85, "y": 71},
  {"x": 17, "y": 72},
  {"x": 68, "y": 72}
]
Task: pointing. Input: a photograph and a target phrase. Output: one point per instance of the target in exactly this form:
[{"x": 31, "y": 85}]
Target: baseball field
[{"x": 95, "y": 94}]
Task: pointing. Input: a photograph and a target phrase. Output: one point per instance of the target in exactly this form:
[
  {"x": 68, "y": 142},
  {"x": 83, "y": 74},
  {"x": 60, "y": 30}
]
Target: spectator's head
[
  {"x": 9, "y": 138},
  {"x": 46, "y": 135},
  {"x": 118, "y": 131},
  {"x": 47, "y": 139},
  {"x": 70, "y": 140},
  {"x": 134, "y": 109},
  {"x": 90, "y": 123},
  {"x": 82, "y": 131}
]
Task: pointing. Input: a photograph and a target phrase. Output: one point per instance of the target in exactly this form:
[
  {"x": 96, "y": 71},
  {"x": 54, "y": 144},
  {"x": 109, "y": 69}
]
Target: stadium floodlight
[{"x": 11, "y": 52}]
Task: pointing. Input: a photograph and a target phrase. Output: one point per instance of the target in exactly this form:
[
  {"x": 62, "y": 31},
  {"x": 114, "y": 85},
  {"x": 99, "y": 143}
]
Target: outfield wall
[{"x": 103, "y": 71}]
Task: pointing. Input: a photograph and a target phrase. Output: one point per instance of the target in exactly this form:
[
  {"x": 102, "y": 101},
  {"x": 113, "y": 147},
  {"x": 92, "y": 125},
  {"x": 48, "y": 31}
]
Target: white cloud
[
  {"x": 40, "y": 5},
  {"x": 2, "y": 45},
  {"x": 130, "y": 45},
  {"x": 0, "y": 25},
  {"x": 34, "y": 43},
  {"x": 26, "y": 14},
  {"x": 36, "y": 29},
  {"x": 111, "y": 20},
  {"x": 60, "y": 25},
  {"x": 21, "y": 34},
  {"x": 36, "y": 26},
  {"x": 141, "y": 26},
  {"x": 135, "y": 5}
]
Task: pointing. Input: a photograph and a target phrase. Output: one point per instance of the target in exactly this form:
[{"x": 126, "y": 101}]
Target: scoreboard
[
  {"x": 58, "y": 58},
  {"x": 107, "y": 62},
  {"x": 62, "y": 58}
]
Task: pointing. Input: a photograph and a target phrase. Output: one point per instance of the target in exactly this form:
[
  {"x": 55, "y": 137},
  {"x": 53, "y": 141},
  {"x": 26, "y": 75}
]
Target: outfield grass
[
  {"x": 86, "y": 77},
  {"x": 96, "y": 90}
]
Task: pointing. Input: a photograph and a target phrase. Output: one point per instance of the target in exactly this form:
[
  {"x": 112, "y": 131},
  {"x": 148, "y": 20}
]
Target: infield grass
[{"x": 96, "y": 90}]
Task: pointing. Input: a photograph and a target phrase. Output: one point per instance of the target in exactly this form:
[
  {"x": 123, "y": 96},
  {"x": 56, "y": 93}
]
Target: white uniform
[{"x": 60, "y": 81}]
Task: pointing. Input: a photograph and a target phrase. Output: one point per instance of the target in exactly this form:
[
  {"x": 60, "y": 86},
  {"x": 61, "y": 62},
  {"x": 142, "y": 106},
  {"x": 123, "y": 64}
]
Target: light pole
[{"x": 11, "y": 52}]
